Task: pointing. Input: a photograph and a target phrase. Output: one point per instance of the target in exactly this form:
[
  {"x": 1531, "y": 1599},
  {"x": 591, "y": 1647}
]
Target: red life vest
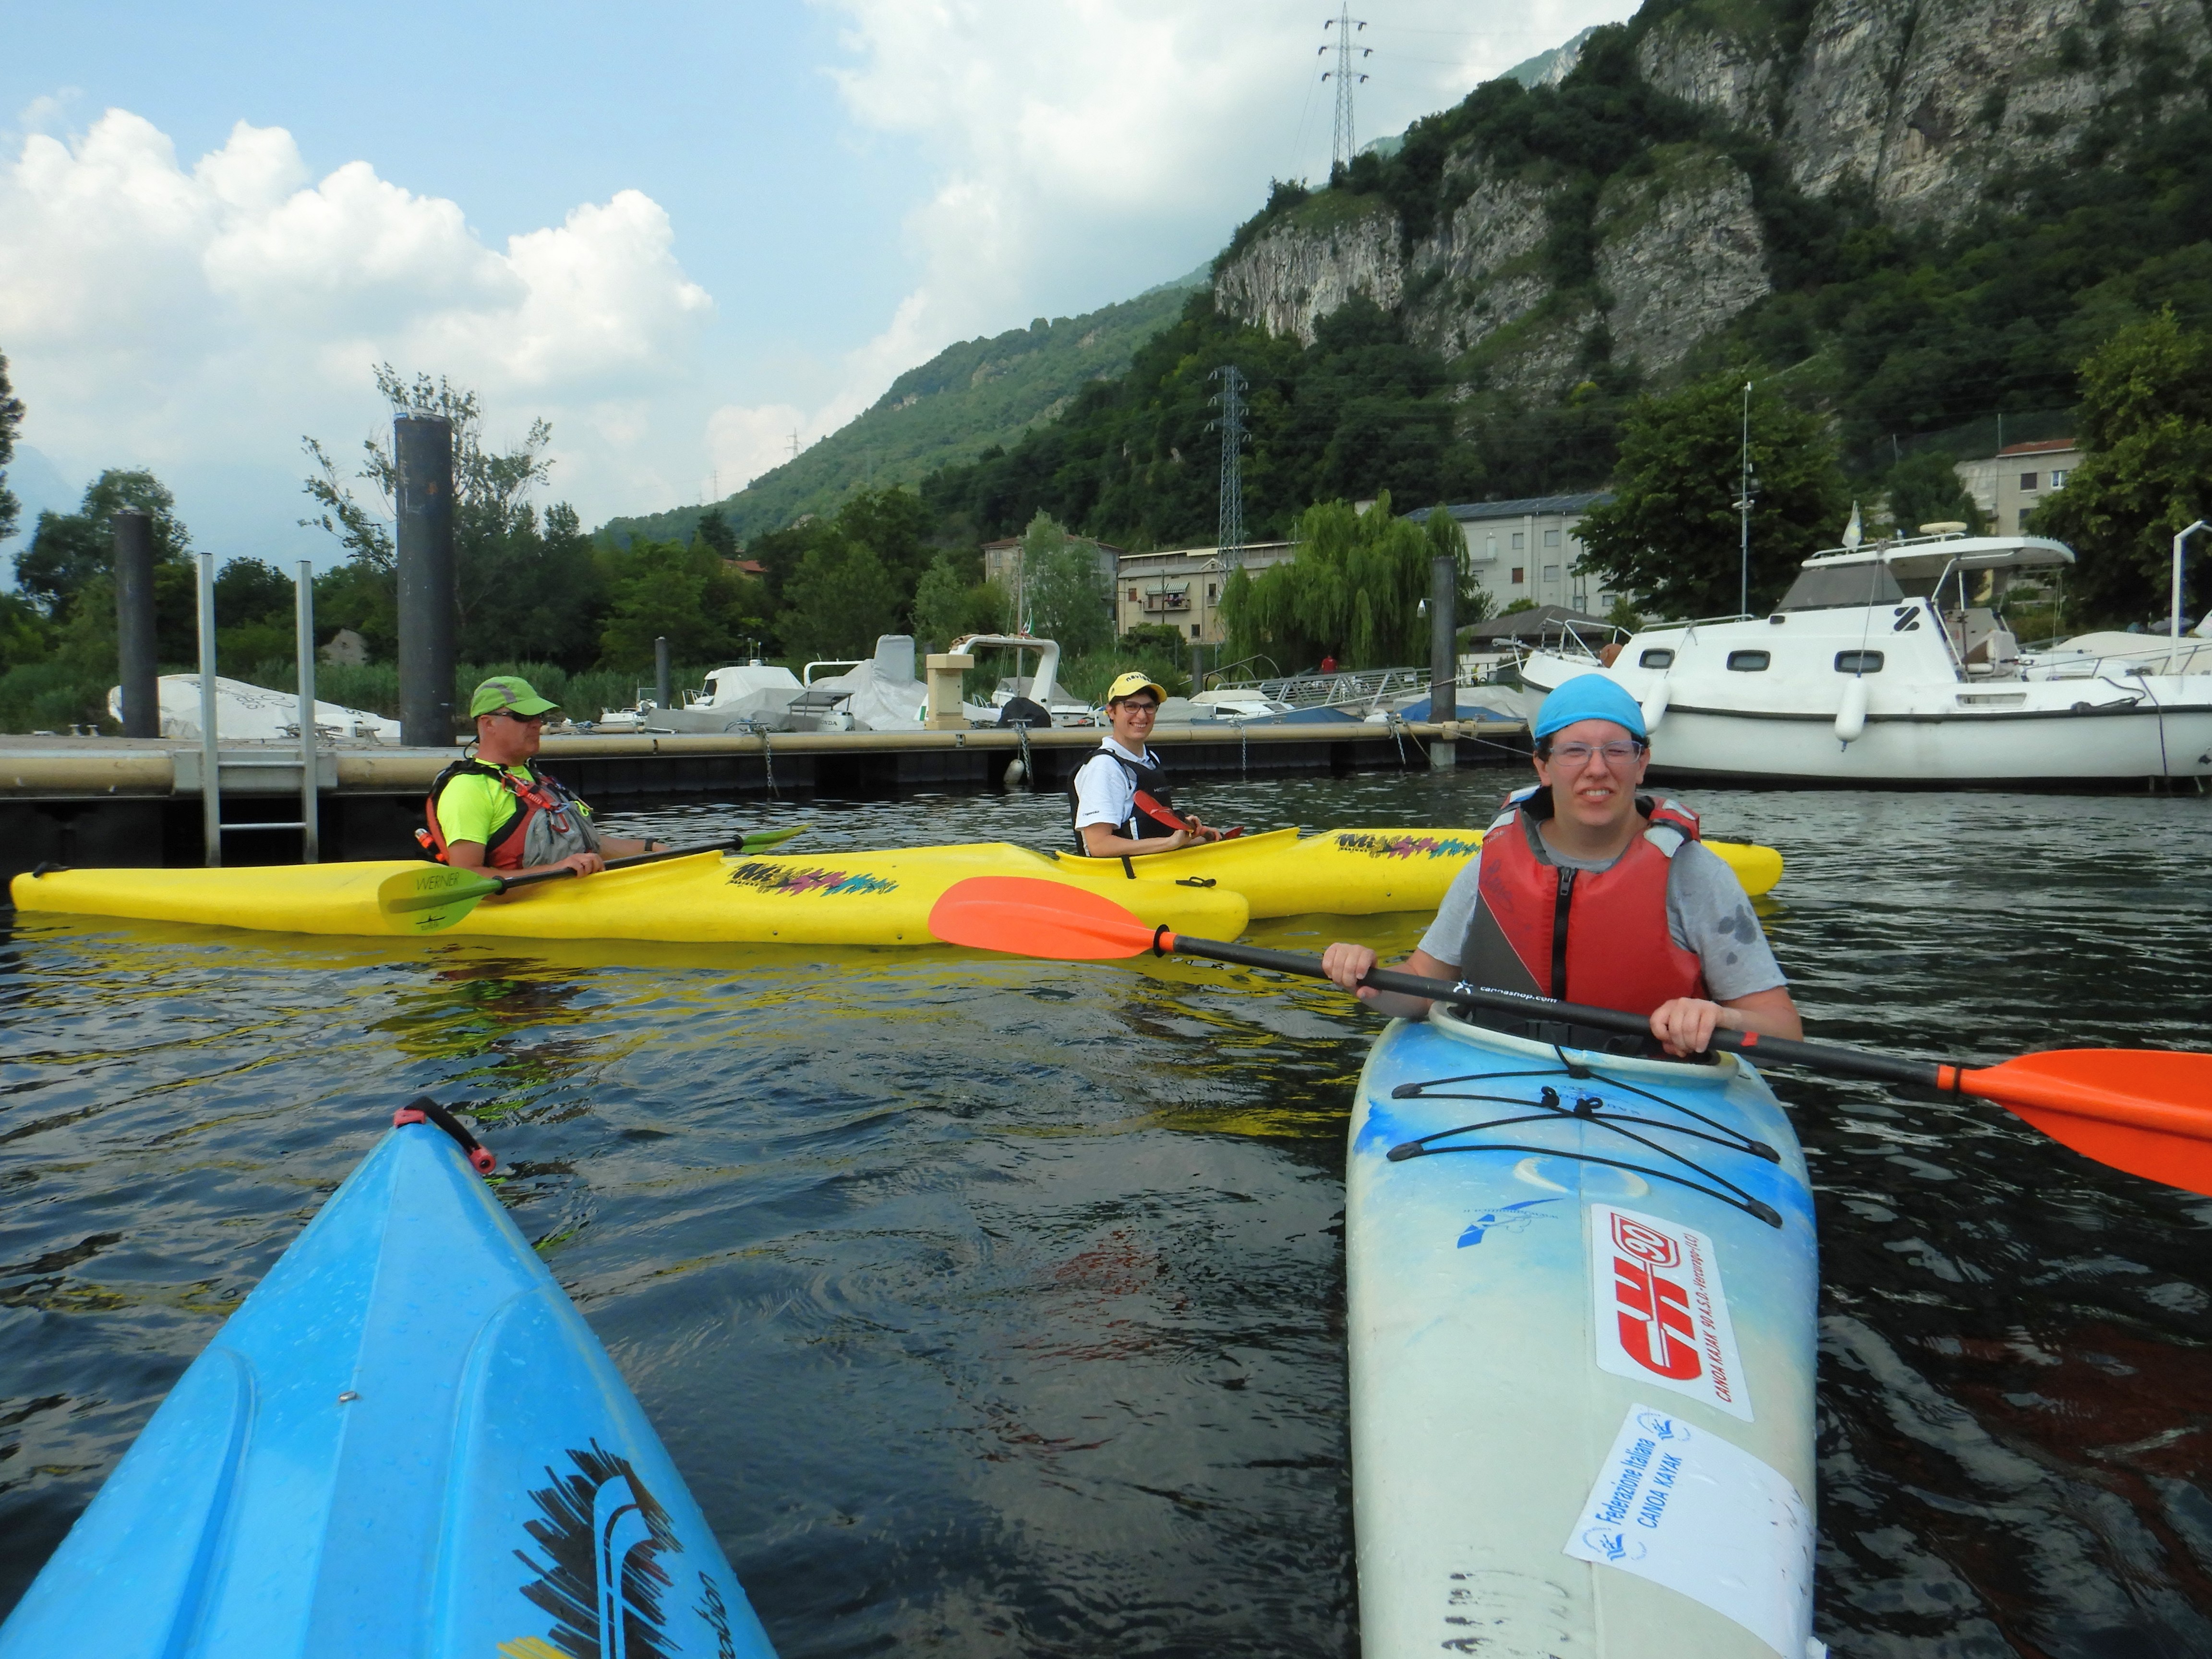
[
  {"x": 534, "y": 793},
  {"x": 1596, "y": 937}
]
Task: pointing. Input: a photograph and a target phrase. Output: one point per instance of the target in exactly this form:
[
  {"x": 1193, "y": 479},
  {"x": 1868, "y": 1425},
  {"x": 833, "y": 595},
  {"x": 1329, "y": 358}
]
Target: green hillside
[{"x": 971, "y": 398}]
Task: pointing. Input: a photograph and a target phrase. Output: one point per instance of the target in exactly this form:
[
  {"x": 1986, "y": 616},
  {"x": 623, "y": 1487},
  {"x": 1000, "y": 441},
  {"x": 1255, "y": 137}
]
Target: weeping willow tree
[{"x": 1353, "y": 591}]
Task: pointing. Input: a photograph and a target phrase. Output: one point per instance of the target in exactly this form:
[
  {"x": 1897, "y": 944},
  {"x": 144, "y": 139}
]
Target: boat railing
[{"x": 1346, "y": 689}]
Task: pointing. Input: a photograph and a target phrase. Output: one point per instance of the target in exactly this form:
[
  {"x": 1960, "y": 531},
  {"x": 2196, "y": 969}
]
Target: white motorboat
[
  {"x": 1042, "y": 688},
  {"x": 254, "y": 713},
  {"x": 1892, "y": 664}
]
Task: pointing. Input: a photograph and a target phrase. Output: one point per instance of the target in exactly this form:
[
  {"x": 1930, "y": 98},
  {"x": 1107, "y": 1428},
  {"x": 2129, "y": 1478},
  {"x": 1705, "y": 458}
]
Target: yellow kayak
[
  {"x": 1347, "y": 872},
  {"x": 854, "y": 898},
  {"x": 843, "y": 898}
]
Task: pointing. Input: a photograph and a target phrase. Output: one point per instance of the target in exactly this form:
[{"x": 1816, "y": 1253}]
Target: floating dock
[{"x": 127, "y": 802}]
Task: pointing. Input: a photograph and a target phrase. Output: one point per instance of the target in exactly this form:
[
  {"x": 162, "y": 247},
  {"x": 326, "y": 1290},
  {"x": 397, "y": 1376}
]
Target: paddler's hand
[
  {"x": 1347, "y": 965},
  {"x": 1685, "y": 1025},
  {"x": 584, "y": 864}
]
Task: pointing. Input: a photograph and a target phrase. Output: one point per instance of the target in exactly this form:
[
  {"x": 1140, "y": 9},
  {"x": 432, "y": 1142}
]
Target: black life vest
[
  {"x": 1146, "y": 777},
  {"x": 538, "y": 797}
]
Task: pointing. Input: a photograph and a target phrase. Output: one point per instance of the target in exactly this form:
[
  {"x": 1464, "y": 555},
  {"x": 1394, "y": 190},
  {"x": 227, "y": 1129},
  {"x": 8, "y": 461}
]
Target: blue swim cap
[{"x": 1589, "y": 697}]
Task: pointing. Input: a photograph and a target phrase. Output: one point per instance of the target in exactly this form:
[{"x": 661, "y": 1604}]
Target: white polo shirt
[{"x": 1105, "y": 792}]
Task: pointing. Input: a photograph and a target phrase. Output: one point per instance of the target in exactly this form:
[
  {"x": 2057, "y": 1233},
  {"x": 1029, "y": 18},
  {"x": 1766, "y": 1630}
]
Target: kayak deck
[
  {"x": 407, "y": 1441},
  {"x": 1581, "y": 1305}
]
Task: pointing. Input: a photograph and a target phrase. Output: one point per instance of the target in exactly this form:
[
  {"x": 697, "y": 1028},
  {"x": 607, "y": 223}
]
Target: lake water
[{"x": 996, "y": 1308}]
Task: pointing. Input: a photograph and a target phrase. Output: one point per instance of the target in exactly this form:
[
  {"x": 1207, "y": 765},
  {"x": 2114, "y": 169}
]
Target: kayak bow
[{"x": 405, "y": 1442}]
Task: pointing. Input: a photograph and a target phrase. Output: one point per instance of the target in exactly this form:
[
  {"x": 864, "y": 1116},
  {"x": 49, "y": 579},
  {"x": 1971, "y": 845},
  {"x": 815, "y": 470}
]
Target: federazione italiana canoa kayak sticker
[
  {"x": 1661, "y": 1316},
  {"x": 1681, "y": 1507}
]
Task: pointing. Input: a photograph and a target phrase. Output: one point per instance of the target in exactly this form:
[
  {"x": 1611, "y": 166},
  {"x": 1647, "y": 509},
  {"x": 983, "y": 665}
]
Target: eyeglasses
[
  {"x": 524, "y": 720},
  {"x": 1574, "y": 755},
  {"x": 1141, "y": 708}
]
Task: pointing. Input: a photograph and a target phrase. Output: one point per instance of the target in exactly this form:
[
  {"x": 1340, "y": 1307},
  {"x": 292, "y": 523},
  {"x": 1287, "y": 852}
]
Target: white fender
[
  {"x": 1655, "y": 706},
  {"x": 1851, "y": 718}
]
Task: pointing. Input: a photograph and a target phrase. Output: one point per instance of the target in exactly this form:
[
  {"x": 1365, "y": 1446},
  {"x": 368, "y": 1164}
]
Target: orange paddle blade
[
  {"x": 2147, "y": 1111},
  {"x": 1027, "y": 917}
]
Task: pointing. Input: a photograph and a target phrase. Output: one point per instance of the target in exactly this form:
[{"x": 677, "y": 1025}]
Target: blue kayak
[
  {"x": 1580, "y": 1310},
  {"x": 405, "y": 1443}
]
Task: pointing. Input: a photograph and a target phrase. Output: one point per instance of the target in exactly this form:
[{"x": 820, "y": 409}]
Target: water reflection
[{"x": 998, "y": 1304}]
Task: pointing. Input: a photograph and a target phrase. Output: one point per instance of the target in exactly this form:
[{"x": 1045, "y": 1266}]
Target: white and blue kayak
[
  {"x": 1582, "y": 1313},
  {"x": 407, "y": 1444}
]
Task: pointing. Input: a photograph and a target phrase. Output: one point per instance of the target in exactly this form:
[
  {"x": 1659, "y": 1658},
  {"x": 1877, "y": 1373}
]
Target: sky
[{"x": 681, "y": 233}]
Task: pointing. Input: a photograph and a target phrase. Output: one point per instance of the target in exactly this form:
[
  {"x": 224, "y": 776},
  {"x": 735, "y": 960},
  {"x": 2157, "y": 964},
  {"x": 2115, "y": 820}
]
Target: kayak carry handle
[{"x": 423, "y": 1109}]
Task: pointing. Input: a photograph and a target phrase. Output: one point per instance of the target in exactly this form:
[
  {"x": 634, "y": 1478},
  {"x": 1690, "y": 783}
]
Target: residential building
[
  {"x": 1528, "y": 550},
  {"x": 1002, "y": 563},
  {"x": 2010, "y": 485},
  {"x": 1182, "y": 587}
]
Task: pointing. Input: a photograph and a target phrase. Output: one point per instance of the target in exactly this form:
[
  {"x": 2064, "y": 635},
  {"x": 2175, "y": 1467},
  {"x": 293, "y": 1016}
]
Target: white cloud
[
  {"x": 1089, "y": 148},
  {"x": 208, "y": 317}
]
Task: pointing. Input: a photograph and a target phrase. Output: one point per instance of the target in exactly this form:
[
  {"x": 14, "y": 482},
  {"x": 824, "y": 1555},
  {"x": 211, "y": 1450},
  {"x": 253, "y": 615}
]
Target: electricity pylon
[
  {"x": 1229, "y": 538},
  {"x": 1342, "y": 147}
]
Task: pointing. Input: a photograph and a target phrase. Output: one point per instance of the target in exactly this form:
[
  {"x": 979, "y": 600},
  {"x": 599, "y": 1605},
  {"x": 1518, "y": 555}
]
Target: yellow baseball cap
[{"x": 1131, "y": 683}]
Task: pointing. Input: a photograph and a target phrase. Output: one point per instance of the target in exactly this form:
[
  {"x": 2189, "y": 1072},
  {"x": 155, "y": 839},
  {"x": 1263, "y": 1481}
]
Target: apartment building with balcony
[{"x": 1183, "y": 586}]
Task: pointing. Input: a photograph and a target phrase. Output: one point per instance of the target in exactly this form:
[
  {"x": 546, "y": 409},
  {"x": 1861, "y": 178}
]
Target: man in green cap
[{"x": 495, "y": 809}]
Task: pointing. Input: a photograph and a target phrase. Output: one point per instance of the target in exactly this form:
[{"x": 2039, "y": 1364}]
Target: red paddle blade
[
  {"x": 2147, "y": 1111},
  {"x": 1025, "y": 916}
]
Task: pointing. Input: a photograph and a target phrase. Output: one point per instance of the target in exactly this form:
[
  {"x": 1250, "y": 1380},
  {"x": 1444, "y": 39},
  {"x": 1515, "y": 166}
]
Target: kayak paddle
[
  {"x": 1152, "y": 809},
  {"x": 2147, "y": 1111},
  {"x": 437, "y": 895}
]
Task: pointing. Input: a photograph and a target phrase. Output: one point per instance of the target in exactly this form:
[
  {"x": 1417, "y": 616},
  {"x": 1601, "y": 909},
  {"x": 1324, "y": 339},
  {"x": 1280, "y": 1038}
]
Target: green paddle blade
[
  {"x": 424, "y": 900},
  {"x": 759, "y": 841}
]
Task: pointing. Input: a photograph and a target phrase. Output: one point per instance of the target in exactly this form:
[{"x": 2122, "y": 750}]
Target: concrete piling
[
  {"x": 137, "y": 671},
  {"x": 1443, "y": 653},
  {"x": 422, "y": 448}
]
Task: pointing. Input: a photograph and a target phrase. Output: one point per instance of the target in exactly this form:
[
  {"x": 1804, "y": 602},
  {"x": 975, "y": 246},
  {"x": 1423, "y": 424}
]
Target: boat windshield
[{"x": 1833, "y": 587}]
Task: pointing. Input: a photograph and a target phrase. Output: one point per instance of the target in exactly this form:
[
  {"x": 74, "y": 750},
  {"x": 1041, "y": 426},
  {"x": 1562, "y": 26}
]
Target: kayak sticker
[
  {"x": 1407, "y": 846},
  {"x": 1661, "y": 1316},
  {"x": 602, "y": 1534},
  {"x": 784, "y": 878},
  {"x": 1505, "y": 1219},
  {"x": 1682, "y": 1507}
]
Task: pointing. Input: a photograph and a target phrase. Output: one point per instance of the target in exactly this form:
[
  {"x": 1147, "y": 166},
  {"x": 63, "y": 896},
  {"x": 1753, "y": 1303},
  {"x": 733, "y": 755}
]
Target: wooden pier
[{"x": 136, "y": 802}]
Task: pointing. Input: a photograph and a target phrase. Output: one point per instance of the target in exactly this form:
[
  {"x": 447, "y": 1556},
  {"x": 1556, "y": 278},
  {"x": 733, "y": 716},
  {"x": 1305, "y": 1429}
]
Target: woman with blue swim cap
[{"x": 1586, "y": 891}]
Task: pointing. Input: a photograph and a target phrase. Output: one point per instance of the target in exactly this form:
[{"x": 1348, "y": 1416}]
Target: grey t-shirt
[{"x": 1706, "y": 912}]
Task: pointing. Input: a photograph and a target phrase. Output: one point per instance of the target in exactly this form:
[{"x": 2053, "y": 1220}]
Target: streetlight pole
[{"x": 1743, "y": 510}]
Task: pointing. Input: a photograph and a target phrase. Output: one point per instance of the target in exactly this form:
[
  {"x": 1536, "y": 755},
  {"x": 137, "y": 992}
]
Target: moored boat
[
  {"x": 1893, "y": 664},
  {"x": 1582, "y": 1297},
  {"x": 405, "y": 1441}
]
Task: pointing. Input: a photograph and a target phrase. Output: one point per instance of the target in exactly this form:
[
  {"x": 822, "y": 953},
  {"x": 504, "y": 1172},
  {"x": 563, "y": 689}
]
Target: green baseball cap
[{"x": 507, "y": 694}]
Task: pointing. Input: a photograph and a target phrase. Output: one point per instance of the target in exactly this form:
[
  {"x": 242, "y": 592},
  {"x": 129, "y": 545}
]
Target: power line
[{"x": 1341, "y": 147}]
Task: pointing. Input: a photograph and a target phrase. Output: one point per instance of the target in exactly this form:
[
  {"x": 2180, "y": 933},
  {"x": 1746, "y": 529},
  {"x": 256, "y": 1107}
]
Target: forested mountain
[
  {"x": 1906, "y": 217},
  {"x": 967, "y": 398}
]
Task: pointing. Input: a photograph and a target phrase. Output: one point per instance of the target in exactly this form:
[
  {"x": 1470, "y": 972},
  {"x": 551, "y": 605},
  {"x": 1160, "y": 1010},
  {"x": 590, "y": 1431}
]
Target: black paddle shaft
[
  {"x": 506, "y": 882},
  {"x": 1814, "y": 1056}
]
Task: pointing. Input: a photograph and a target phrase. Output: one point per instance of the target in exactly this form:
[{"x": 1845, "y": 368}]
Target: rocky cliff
[{"x": 1921, "y": 111}]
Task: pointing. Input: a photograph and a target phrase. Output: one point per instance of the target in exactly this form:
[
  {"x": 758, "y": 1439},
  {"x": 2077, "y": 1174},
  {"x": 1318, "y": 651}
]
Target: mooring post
[
  {"x": 422, "y": 448},
  {"x": 660, "y": 673},
  {"x": 303, "y": 619},
  {"x": 1443, "y": 654},
  {"x": 1197, "y": 667},
  {"x": 210, "y": 753},
  {"x": 136, "y": 670}
]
